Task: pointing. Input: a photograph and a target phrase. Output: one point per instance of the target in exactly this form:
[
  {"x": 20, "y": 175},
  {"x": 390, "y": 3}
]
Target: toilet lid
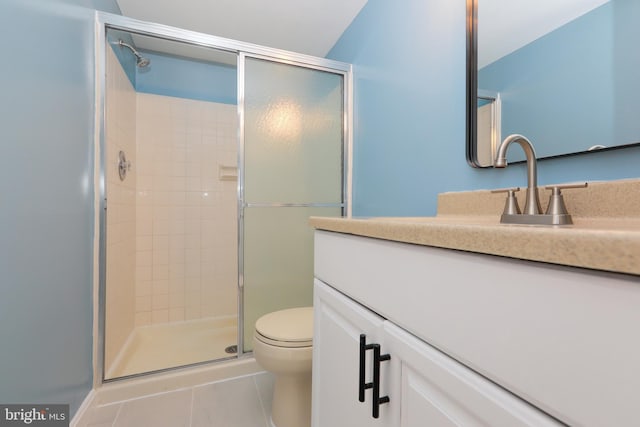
[{"x": 294, "y": 325}]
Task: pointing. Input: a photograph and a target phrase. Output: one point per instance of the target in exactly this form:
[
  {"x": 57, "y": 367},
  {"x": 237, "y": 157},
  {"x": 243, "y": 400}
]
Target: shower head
[{"x": 141, "y": 61}]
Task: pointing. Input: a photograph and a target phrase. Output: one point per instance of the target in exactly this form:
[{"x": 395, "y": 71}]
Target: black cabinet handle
[
  {"x": 377, "y": 400},
  {"x": 362, "y": 384},
  {"x": 375, "y": 384}
]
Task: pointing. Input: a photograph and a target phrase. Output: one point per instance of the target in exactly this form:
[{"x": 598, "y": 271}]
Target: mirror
[{"x": 562, "y": 73}]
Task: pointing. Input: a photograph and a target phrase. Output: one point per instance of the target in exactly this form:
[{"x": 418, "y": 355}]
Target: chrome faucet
[
  {"x": 556, "y": 213},
  {"x": 532, "y": 204}
]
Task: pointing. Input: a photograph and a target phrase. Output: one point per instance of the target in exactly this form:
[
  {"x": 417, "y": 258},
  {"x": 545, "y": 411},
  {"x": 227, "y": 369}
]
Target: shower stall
[{"x": 212, "y": 154}]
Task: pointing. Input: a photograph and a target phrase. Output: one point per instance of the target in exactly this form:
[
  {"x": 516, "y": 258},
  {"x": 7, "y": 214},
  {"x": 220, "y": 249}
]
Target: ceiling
[{"x": 311, "y": 27}]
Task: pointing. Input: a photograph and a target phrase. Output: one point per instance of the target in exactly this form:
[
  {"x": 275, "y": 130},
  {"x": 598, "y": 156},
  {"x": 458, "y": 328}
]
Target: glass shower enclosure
[{"x": 212, "y": 156}]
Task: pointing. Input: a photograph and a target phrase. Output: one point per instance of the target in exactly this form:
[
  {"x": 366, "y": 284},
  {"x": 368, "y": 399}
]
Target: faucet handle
[
  {"x": 511, "y": 206},
  {"x": 566, "y": 186},
  {"x": 556, "y": 201}
]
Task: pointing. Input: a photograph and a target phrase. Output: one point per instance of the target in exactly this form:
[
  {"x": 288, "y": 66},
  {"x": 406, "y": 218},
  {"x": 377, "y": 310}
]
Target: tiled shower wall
[
  {"x": 120, "y": 133},
  {"x": 186, "y": 211}
]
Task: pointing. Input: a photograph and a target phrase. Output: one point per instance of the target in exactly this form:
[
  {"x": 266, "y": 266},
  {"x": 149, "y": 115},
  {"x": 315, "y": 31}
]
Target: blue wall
[
  {"x": 188, "y": 78},
  {"x": 569, "y": 90},
  {"x": 46, "y": 200},
  {"x": 409, "y": 136},
  {"x": 178, "y": 76},
  {"x": 125, "y": 57}
]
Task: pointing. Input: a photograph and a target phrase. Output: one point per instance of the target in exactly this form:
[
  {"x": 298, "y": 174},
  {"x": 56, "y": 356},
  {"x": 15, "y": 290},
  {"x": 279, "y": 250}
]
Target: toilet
[{"x": 282, "y": 345}]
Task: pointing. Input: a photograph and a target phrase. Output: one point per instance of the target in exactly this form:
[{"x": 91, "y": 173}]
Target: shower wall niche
[{"x": 171, "y": 224}]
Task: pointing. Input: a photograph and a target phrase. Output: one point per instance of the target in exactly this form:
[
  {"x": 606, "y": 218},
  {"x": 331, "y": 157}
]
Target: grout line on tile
[
  {"x": 133, "y": 399},
  {"x": 113, "y": 424},
  {"x": 253, "y": 374},
  {"x": 264, "y": 412},
  {"x": 193, "y": 394}
]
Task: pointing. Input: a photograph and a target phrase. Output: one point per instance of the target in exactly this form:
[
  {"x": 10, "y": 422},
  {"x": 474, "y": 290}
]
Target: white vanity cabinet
[
  {"x": 338, "y": 324},
  {"x": 473, "y": 339},
  {"x": 424, "y": 386}
]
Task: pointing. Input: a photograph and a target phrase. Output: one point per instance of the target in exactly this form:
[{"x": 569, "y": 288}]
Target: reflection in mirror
[
  {"x": 565, "y": 73},
  {"x": 488, "y": 127}
]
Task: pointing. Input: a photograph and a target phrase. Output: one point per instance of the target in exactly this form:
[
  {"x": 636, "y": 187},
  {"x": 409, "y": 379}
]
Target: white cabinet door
[
  {"x": 436, "y": 390},
  {"x": 338, "y": 324}
]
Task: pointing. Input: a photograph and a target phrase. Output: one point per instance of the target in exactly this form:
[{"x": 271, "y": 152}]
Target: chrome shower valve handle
[{"x": 124, "y": 165}]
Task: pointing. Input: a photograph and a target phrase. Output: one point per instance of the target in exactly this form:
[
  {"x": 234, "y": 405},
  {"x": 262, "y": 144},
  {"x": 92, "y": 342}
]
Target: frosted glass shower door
[{"x": 293, "y": 165}]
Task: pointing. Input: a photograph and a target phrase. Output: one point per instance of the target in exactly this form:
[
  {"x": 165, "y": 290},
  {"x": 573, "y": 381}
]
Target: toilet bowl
[{"x": 282, "y": 345}]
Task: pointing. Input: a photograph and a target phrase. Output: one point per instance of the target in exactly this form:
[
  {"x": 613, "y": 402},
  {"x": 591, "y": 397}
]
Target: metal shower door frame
[
  {"x": 346, "y": 166},
  {"x": 105, "y": 21}
]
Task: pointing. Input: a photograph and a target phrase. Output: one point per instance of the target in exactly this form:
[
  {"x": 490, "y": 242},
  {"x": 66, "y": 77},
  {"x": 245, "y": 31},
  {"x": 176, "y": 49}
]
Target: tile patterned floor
[{"x": 239, "y": 402}]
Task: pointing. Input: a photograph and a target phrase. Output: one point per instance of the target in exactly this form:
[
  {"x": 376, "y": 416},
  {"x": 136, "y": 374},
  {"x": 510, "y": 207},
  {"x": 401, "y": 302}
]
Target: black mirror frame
[
  {"x": 471, "y": 113},
  {"x": 472, "y": 83}
]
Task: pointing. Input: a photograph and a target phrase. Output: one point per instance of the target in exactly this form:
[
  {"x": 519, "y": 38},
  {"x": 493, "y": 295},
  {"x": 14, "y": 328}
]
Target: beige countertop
[{"x": 600, "y": 242}]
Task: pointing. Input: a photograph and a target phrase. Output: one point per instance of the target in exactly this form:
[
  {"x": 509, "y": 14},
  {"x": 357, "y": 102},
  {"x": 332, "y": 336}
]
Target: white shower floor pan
[{"x": 168, "y": 345}]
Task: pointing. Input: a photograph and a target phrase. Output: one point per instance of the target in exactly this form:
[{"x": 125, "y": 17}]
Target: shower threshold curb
[{"x": 176, "y": 379}]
